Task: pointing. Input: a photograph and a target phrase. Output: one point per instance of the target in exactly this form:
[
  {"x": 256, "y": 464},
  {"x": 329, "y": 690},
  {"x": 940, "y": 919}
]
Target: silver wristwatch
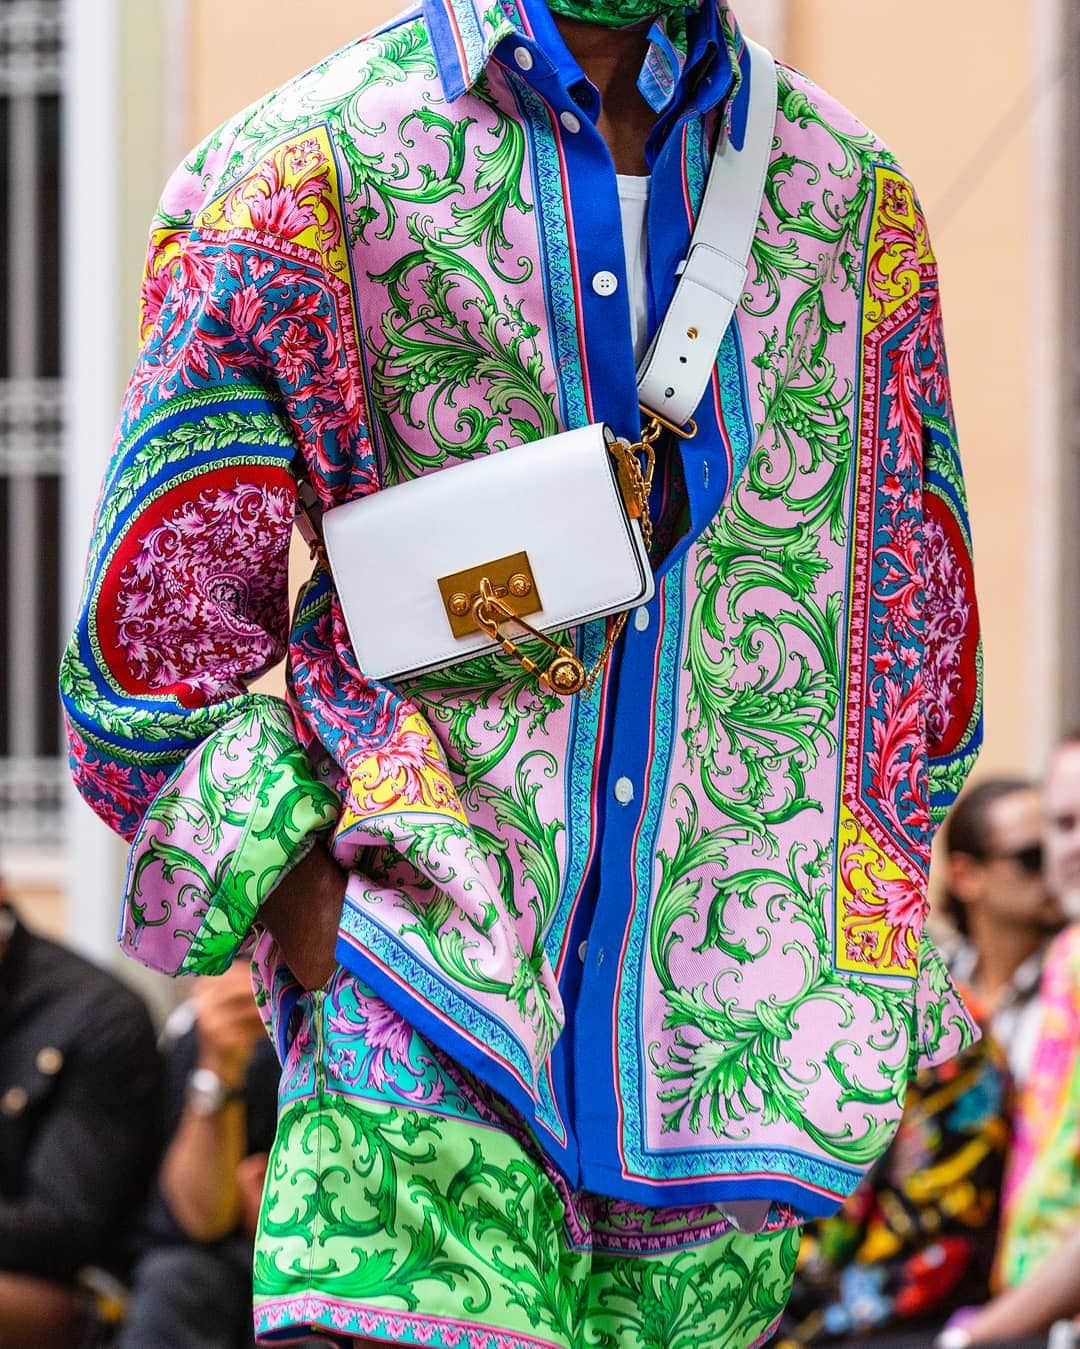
[{"x": 207, "y": 1093}]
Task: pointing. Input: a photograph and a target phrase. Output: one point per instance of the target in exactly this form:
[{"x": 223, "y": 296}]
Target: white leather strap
[{"x": 678, "y": 366}]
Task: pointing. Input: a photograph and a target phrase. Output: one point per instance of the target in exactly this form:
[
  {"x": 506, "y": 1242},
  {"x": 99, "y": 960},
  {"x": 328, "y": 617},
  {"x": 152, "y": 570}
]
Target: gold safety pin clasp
[{"x": 565, "y": 675}]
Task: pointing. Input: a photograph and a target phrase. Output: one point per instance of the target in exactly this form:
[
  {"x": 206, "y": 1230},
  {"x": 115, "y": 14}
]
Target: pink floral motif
[
  {"x": 883, "y": 916},
  {"x": 948, "y": 624},
  {"x": 192, "y": 613},
  {"x": 894, "y": 761},
  {"x": 368, "y": 1037}
]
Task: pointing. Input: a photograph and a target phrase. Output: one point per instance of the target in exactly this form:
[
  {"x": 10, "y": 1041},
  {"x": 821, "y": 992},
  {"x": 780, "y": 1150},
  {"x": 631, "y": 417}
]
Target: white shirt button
[
  {"x": 624, "y": 791},
  {"x": 605, "y": 283},
  {"x": 641, "y": 618},
  {"x": 582, "y": 951},
  {"x": 524, "y": 58},
  {"x": 572, "y": 123}
]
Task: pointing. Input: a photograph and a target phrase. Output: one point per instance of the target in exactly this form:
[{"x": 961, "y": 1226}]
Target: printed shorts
[{"x": 405, "y": 1205}]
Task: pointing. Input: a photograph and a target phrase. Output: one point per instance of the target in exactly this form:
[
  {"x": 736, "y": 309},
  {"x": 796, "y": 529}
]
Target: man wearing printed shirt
[{"x": 586, "y": 1004}]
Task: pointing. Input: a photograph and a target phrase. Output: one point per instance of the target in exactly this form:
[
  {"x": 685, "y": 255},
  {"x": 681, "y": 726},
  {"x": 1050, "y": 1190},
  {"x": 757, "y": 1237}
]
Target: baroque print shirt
[{"x": 676, "y": 924}]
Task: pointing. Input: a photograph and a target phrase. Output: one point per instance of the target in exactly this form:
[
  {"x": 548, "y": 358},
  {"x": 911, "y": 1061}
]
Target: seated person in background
[
  {"x": 192, "y": 1284},
  {"x": 79, "y": 1078},
  {"x": 1040, "y": 1247},
  {"x": 1042, "y": 1193},
  {"x": 917, "y": 1238},
  {"x": 1003, "y": 910}
]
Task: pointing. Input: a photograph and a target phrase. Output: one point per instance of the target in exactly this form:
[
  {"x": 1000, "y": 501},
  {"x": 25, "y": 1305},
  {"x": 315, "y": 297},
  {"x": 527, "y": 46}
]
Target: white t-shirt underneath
[{"x": 634, "y": 204}]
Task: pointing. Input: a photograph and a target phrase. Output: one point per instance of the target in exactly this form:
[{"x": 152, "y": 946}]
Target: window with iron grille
[{"x": 31, "y": 421}]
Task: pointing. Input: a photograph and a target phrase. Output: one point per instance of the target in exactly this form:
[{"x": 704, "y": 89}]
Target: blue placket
[
  {"x": 642, "y": 721},
  {"x": 583, "y": 1057},
  {"x": 643, "y": 741}
]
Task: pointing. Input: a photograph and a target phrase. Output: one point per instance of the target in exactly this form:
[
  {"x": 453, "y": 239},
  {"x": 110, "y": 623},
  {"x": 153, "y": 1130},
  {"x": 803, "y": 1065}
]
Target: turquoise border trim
[
  {"x": 551, "y": 213},
  {"x": 584, "y": 728},
  {"x": 379, "y": 959},
  {"x": 279, "y": 1319},
  {"x": 730, "y": 362},
  {"x": 734, "y": 393},
  {"x": 763, "y": 1168},
  {"x": 631, "y": 1049}
]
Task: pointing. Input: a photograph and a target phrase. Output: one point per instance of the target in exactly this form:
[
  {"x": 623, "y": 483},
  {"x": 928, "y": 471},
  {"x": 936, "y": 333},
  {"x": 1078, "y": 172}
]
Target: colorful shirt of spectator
[
  {"x": 916, "y": 1240},
  {"x": 1016, "y": 1019},
  {"x": 1042, "y": 1192}
]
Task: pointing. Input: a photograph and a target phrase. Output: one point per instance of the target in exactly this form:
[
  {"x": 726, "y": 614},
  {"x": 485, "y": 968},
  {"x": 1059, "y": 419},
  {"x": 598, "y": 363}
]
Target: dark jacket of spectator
[{"x": 79, "y": 1082}]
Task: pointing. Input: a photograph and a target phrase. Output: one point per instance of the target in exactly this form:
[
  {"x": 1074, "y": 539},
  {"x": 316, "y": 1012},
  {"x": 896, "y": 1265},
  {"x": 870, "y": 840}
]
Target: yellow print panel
[
  {"x": 897, "y": 250},
  {"x": 408, "y": 774},
  {"x": 879, "y": 910}
]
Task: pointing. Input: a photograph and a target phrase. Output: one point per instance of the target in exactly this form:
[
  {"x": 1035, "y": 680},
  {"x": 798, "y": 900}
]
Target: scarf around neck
[{"x": 622, "y": 13}]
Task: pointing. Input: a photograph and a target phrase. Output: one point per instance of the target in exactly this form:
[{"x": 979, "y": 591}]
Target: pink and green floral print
[
  {"x": 403, "y": 1206},
  {"x": 677, "y": 925}
]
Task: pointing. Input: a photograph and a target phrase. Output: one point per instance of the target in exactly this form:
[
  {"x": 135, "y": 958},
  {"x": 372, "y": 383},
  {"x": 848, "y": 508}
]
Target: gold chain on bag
[{"x": 566, "y": 675}]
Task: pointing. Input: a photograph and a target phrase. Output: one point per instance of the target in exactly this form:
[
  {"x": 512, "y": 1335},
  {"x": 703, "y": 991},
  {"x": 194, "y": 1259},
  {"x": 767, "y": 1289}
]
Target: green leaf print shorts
[{"x": 406, "y": 1205}]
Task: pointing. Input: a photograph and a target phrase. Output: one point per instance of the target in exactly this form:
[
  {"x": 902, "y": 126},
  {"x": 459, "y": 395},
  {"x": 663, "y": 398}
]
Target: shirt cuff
[
  {"x": 240, "y": 812},
  {"x": 943, "y": 1025}
]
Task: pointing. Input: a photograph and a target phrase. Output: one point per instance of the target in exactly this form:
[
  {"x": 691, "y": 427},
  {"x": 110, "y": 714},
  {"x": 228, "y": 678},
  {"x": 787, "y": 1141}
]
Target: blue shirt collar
[{"x": 467, "y": 33}]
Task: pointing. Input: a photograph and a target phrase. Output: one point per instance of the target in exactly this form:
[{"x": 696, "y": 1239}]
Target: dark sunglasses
[{"x": 1029, "y": 859}]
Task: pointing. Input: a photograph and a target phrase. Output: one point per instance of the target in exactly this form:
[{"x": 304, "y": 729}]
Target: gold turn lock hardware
[
  {"x": 492, "y": 597},
  {"x": 510, "y": 578}
]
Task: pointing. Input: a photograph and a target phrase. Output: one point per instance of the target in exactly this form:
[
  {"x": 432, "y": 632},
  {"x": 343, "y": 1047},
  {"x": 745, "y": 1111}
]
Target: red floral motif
[
  {"x": 895, "y": 762},
  {"x": 904, "y": 391},
  {"x": 113, "y": 788},
  {"x": 213, "y": 314},
  {"x": 290, "y": 194},
  {"x": 188, "y": 344},
  {"x": 937, "y": 389},
  {"x": 344, "y": 708},
  {"x": 390, "y": 753},
  {"x": 900, "y": 587}
]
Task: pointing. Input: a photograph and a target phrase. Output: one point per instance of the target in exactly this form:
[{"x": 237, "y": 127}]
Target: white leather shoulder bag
[{"x": 555, "y": 532}]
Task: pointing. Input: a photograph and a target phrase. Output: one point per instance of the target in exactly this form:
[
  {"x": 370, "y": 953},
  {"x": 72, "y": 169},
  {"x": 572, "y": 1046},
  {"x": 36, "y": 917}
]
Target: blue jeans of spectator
[{"x": 190, "y": 1297}]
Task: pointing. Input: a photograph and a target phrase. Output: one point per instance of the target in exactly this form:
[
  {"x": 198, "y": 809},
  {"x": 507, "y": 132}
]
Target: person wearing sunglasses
[
  {"x": 917, "y": 1240},
  {"x": 1040, "y": 1233},
  {"x": 1042, "y": 1195},
  {"x": 1002, "y": 910}
]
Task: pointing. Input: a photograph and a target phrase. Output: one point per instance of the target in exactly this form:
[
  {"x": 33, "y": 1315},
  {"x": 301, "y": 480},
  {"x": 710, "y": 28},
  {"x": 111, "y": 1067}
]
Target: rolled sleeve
[{"x": 241, "y": 812}]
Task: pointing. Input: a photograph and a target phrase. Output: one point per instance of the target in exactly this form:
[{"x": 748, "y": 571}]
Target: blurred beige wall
[
  {"x": 243, "y": 49},
  {"x": 975, "y": 168}
]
